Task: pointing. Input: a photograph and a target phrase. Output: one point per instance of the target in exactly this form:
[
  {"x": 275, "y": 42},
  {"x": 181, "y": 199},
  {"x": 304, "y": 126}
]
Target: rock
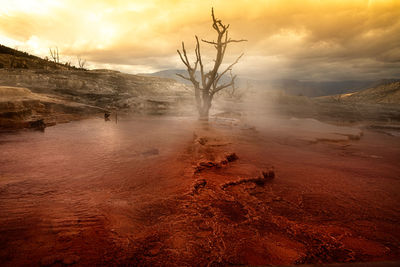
[
  {"x": 205, "y": 165},
  {"x": 50, "y": 260},
  {"x": 21, "y": 108},
  {"x": 37, "y": 124},
  {"x": 215, "y": 164},
  {"x": 154, "y": 249},
  {"x": 203, "y": 140},
  {"x": 151, "y": 152},
  {"x": 198, "y": 185},
  {"x": 82, "y": 92},
  {"x": 265, "y": 176},
  {"x": 232, "y": 157},
  {"x": 208, "y": 164},
  {"x": 70, "y": 259},
  {"x": 268, "y": 175}
]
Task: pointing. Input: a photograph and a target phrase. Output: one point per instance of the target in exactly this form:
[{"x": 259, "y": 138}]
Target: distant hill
[
  {"x": 386, "y": 93},
  {"x": 171, "y": 74},
  {"x": 14, "y": 59},
  {"x": 34, "y": 89},
  {"x": 319, "y": 88},
  {"x": 290, "y": 87}
]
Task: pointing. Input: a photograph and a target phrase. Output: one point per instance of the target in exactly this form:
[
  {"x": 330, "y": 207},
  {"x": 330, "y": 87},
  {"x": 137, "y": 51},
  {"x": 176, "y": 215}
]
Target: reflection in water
[
  {"x": 107, "y": 116},
  {"x": 86, "y": 148},
  {"x": 65, "y": 190}
]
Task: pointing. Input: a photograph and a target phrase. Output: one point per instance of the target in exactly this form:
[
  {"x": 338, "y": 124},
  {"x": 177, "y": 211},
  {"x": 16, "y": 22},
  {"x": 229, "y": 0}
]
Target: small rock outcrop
[{"x": 266, "y": 176}]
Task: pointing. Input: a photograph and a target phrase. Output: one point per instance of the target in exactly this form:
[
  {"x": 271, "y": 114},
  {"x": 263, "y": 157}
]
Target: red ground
[{"x": 139, "y": 198}]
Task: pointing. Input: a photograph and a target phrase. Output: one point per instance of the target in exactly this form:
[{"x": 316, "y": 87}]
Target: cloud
[{"x": 299, "y": 39}]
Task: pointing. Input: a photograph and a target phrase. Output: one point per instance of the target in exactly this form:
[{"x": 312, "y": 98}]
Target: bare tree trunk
[
  {"x": 81, "y": 62},
  {"x": 205, "y": 108},
  {"x": 54, "y": 54}
]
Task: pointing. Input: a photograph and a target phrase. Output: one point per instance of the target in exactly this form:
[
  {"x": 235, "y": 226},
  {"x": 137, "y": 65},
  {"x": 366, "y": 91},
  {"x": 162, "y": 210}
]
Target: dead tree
[
  {"x": 233, "y": 91},
  {"x": 208, "y": 86},
  {"x": 81, "y": 62},
  {"x": 54, "y": 54},
  {"x": 12, "y": 61}
]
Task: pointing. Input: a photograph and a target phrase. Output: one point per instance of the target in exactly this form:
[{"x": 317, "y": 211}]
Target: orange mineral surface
[{"x": 178, "y": 192}]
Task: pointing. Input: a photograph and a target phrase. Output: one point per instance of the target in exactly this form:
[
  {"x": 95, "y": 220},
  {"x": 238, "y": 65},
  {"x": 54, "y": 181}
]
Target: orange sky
[{"x": 298, "y": 39}]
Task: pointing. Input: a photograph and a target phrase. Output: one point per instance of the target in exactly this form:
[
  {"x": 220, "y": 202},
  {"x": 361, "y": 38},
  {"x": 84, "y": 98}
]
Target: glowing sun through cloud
[{"x": 320, "y": 40}]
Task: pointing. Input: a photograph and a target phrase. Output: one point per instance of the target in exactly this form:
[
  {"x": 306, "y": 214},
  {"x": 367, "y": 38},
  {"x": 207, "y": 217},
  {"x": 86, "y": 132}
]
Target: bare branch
[
  {"x": 183, "y": 77},
  {"x": 198, "y": 55},
  {"x": 229, "y": 68},
  {"x": 236, "y": 41},
  {"x": 215, "y": 25},
  {"x": 224, "y": 43},
  {"x": 232, "y": 93},
  {"x": 185, "y": 55},
  {"x": 81, "y": 62},
  {"x": 209, "y": 42},
  {"x": 219, "y": 88},
  {"x": 180, "y": 55},
  {"x": 54, "y": 54}
]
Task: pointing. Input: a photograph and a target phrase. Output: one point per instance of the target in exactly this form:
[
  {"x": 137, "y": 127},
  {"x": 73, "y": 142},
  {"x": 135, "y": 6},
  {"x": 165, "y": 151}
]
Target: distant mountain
[
  {"x": 171, "y": 74},
  {"x": 384, "y": 93},
  {"x": 319, "y": 88},
  {"x": 291, "y": 87},
  {"x": 384, "y": 82}
]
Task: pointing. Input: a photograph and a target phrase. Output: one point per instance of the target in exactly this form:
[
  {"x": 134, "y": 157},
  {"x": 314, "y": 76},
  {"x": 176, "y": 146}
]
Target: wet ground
[{"x": 167, "y": 191}]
